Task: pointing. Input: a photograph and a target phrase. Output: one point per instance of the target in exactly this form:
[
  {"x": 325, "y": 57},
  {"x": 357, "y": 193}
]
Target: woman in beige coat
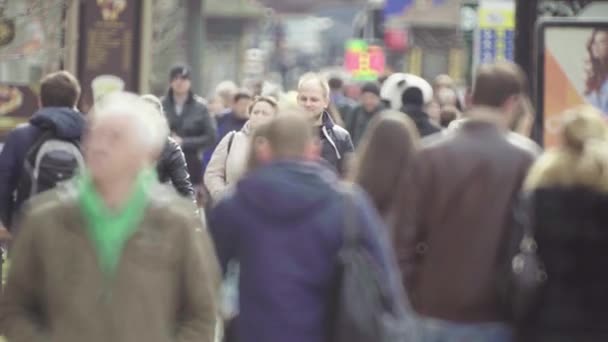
[{"x": 228, "y": 161}]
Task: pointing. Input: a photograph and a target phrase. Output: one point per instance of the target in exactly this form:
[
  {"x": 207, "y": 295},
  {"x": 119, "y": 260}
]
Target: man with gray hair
[{"x": 113, "y": 255}]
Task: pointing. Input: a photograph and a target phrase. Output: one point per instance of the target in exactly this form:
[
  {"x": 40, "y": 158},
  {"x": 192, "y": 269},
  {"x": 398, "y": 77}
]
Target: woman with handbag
[
  {"x": 556, "y": 272},
  {"x": 228, "y": 161}
]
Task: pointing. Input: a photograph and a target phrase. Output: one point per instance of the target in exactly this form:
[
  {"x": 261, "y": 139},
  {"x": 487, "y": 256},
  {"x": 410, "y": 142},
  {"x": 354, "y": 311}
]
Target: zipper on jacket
[{"x": 326, "y": 134}]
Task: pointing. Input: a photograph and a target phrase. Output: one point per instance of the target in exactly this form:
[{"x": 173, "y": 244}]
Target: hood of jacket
[
  {"x": 286, "y": 190},
  {"x": 66, "y": 122}
]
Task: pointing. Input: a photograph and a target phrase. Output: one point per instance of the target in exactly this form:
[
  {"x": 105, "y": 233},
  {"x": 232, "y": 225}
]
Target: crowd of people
[{"x": 410, "y": 214}]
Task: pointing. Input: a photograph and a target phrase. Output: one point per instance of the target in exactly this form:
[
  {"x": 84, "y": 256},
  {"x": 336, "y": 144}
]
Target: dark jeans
[{"x": 195, "y": 167}]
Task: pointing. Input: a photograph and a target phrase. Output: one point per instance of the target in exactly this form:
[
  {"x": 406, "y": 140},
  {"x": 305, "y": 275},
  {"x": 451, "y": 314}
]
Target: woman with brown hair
[
  {"x": 384, "y": 158},
  {"x": 228, "y": 161},
  {"x": 596, "y": 85}
]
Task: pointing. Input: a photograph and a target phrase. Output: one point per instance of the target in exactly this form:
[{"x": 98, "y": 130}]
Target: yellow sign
[
  {"x": 456, "y": 64},
  {"x": 415, "y": 63},
  {"x": 497, "y": 17}
]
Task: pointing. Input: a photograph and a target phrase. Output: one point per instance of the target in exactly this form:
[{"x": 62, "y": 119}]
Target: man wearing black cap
[
  {"x": 371, "y": 104},
  {"x": 191, "y": 125}
]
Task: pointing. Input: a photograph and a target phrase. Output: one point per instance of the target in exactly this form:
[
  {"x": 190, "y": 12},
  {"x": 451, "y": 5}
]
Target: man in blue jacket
[
  {"x": 59, "y": 94},
  {"x": 284, "y": 224}
]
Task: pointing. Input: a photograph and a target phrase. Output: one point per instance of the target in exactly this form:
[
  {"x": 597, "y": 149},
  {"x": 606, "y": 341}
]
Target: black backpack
[
  {"x": 365, "y": 311},
  {"x": 50, "y": 161}
]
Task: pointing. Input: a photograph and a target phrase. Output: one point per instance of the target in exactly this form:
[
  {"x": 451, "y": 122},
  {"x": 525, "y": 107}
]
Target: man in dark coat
[
  {"x": 371, "y": 105},
  {"x": 236, "y": 118},
  {"x": 413, "y": 106},
  {"x": 59, "y": 94},
  {"x": 191, "y": 125}
]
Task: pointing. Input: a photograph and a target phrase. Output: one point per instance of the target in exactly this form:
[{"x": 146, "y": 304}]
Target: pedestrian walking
[
  {"x": 171, "y": 166},
  {"x": 449, "y": 232},
  {"x": 342, "y": 104},
  {"x": 236, "y": 118},
  {"x": 370, "y": 105},
  {"x": 413, "y": 96},
  {"x": 336, "y": 144},
  {"x": 384, "y": 159},
  {"x": 284, "y": 223},
  {"x": 228, "y": 162},
  {"x": 113, "y": 255},
  {"x": 563, "y": 214},
  {"x": 191, "y": 125},
  {"x": 26, "y": 168}
]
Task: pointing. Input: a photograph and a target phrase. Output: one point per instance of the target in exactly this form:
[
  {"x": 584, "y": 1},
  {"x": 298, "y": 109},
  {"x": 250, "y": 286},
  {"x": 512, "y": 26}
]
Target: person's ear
[
  {"x": 511, "y": 104},
  {"x": 262, "y": 150}
]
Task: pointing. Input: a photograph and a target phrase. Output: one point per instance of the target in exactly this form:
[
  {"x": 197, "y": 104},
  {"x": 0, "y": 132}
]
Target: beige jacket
[
  {"x": 164, "y": 289},
  {"x": 226, "y": 167}
]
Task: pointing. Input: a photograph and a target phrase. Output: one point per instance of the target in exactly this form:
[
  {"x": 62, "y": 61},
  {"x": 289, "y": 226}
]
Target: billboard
[
  {"x": 109, "y": 46},
  {"x": 17, "y": 104},
  {"x": 570, "y": 74},
  {"x": 363, "y": 61},
  {"x": 495, "y": 36}
]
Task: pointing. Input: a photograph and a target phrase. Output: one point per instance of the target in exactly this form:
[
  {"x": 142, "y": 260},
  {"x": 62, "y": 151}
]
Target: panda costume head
[{"x": 401, "y": 90}]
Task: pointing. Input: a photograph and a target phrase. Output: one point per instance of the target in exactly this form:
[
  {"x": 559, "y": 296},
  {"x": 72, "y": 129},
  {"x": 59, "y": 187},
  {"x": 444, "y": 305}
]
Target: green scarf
[{"x": 109, "y": 230}]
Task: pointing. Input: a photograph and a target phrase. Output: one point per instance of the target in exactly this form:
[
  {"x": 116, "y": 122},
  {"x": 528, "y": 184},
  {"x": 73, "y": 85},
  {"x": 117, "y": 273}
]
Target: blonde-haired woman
[
  {"x": 229, "y": 160},
  {"x": 566, "y": 212},
  {"x": 171, "y": 166}
]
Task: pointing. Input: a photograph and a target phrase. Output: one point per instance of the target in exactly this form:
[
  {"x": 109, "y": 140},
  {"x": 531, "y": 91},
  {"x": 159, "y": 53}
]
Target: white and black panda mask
[{"x": 396, "y": 84}]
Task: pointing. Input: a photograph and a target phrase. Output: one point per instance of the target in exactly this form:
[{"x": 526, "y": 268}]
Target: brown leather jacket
[
  {"x": 449, "y": 232},
  {"x": 164, "y": 289}
]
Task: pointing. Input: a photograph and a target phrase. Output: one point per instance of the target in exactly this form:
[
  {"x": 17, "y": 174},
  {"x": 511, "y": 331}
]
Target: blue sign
[
  {"x": 487, "y": 47},
  {"x": 400, "y": 7}
]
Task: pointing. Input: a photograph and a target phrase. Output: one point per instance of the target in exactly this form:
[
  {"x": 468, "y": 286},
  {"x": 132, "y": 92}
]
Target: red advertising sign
[{"x": 364, "y": 62}]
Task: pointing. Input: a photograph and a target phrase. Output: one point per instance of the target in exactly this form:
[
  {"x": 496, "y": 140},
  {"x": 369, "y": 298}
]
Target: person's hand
[{"x": 177, "y": 139}]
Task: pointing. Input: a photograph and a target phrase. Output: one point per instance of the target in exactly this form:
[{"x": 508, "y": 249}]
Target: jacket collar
[
  {"x": 327, "y": 121},
  {"x": 172, "y": 100},
  {"x": 488, "y": 115},
  {"x": 246, "y": 128}
]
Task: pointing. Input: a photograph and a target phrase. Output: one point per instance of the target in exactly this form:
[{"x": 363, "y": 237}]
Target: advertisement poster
[
  {"x": 17, "y": 104},
  {"x": 572, "y": 74},
  {"x": 363, "y": 61},
  {"x": 109, "y": 48},
  {"x": 495, "y": 36}
]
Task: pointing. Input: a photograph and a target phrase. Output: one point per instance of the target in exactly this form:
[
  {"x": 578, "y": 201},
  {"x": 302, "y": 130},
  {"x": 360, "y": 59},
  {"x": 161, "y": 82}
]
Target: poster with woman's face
[{"x": 575, "y": 72}]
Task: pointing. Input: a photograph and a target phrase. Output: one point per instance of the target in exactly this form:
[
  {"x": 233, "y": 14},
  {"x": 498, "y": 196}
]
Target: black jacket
[
  {"x": 336, "y": 145},
  {"x": 67, "y": 123},
  {"x": 358, "y": 121},
  {"x": 197, "y": 129},
  {"x": 421, "y": 119},
  {"x": 571, "y": 230},
  {"x": 171, "y": 167}
]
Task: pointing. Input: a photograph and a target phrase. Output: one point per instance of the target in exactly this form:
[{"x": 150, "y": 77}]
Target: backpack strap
[{"x": 230, "y": 140}]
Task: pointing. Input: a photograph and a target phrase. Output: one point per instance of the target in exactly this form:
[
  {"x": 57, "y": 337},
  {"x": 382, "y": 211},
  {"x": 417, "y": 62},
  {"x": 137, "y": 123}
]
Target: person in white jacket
[{"x": 228, "y": 161}]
